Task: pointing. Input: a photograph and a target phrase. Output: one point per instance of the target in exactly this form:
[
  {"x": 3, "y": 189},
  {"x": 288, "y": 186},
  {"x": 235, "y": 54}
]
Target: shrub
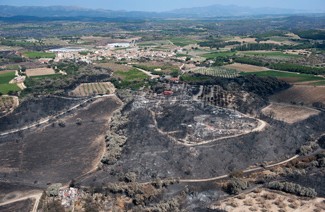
[
  {"x": 61, "y": 124},
  {"x": 236, "y": 185},
  {"x": 292, "y": 188}
]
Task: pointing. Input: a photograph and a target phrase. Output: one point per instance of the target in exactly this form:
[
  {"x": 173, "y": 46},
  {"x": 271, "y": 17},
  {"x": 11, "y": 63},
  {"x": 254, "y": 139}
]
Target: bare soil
[
  {"x": 114, "y": 66},
  {"x": 289, "y": 113},
  {"x": 88, "y": 89},
  {"x": 298, "y": 94},
  {"x": 39, "y": 72}
]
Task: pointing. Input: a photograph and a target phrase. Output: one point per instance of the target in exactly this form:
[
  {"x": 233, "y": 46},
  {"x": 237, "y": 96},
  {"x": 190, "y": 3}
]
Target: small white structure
[{"x": 118, "y": 45}]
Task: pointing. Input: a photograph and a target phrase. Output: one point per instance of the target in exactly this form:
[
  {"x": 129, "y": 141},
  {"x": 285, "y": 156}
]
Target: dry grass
[
  {"x": 246, "y": 40},
  {"x": 301, "y": 94},
  {"x": 289, "y": 113},
  {"x": 246, "y": 68},
  {"x": 114, "y": 66},
  {"x": 39, "y": 72},
  {"x": 88, "y": 89}
]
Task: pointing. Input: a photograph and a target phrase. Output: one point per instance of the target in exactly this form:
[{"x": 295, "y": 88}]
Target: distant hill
[
  {"x": 230, "y": 10},
  {"x": 199, "y": 12}
]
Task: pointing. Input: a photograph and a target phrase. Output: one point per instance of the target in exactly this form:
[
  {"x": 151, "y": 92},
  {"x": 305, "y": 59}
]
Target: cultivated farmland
[
  {"x": 245, "y": 67},
  {"x": 37, "y": 55},
  {"x": 217, "y": 72},
  {"x": 88, "y": 89},
  {"x": 270, "y": 54},
  {"x": 287, "y": 76},
  {"x": 5, "y": 78},
  {"x": 39, "y": 72}
]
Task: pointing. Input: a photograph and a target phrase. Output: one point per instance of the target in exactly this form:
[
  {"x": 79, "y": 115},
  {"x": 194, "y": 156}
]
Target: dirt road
[
  {"x": 245, "y": 171},
  {"x": 37, "y": 196},
  {"x": 47, "y": 119}
]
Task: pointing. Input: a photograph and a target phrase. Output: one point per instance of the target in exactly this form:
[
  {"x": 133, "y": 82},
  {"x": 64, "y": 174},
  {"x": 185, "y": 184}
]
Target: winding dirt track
[
  {"x": 261, "y": 126},
  {"x": 245, "y": 171},
  {"x": 46, "y": 120},
  {"x": 37, "y": 196}
]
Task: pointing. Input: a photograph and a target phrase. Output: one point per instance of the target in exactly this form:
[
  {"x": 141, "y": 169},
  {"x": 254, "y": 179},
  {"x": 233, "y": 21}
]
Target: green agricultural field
[
  {"x": 147, "y": 44},
  {"x": 190, "y": 78},
  {"x": 273, "y": 54},
  {"x": 37, "y": 55},
  {"x": 6, "y": 88},
  {"x": 320, "y": 83},
  {"x": 182, "y": 41},
  {"x": 12, "y": 67},
  {"x": 213, "y": 55},
  {"x": 296, "y": 77},
  {"x": 6, "y": 77},
  {"x": 132, "y": 75}
]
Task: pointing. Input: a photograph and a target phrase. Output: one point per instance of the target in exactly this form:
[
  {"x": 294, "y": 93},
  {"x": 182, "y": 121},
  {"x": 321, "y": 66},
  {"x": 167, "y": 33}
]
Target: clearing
[
  {"x": 289, "y": 113},
  {"x": 39, "y": 72},
  {"x": 245, "y": 67},
  {"x": 301, "y": 94}
]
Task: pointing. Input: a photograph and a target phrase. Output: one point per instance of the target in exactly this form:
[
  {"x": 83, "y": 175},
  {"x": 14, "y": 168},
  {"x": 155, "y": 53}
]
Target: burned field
[
  {"x": 154, "y": 146},
  {"x": 59, "y": 152},
  {"x": 33, "y": 109},
  {"x": 194, "y": 125}
]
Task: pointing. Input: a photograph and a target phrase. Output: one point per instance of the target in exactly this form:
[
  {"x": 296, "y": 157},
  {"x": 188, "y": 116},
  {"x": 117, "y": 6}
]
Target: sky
[{"x": 165, "y": 5}]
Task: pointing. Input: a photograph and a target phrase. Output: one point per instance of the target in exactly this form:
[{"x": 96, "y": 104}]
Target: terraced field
[{"x": 88, "y": 89}]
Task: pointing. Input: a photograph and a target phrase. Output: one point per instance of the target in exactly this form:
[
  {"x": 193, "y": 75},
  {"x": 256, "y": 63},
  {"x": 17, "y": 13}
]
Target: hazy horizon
[{"x": 159, "y": 6}]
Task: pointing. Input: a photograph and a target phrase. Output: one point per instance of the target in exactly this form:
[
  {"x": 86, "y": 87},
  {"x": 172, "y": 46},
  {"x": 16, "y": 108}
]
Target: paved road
[{"x": 46, "y": 120}]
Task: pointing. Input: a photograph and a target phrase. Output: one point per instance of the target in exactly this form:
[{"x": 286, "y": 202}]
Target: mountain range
[{"x": 198, "y": 12}]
